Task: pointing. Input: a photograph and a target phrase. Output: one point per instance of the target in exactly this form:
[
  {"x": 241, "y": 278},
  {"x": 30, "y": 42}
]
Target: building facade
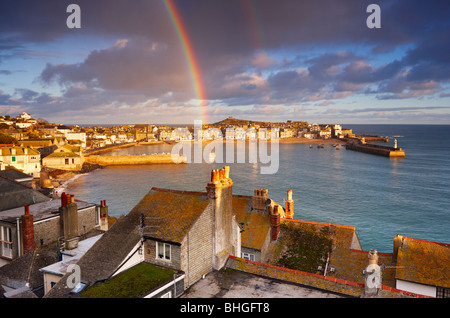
[{"x": 24, "y": 159}]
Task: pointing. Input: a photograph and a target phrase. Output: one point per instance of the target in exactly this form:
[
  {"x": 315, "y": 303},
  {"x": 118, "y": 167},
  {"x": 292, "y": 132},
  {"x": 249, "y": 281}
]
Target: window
[
  {"x": 442, "y": 292},
  {"x": 248, "y": 256},
  {"x": 6, "y": 241},
  {"x": 97, "y": 216},
  {"x": 167, "y": 295},
  {"x": 163, "y": 251},
  {"x": 66, "y": 161}
]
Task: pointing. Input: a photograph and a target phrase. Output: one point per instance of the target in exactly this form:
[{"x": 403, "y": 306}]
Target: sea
[{"x": 381, "y": 197}]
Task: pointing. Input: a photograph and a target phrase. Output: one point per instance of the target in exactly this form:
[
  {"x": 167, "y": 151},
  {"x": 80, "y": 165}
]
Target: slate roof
[
  {"x": 36, "y": 143},
  {"x": 25, "y": 269},
  {"x": 255, "y": 225},
  {"x": 170, "y": 214},
  {"x": 15, "y": 174},
  {"x": 14, "y": 194},
  {"x": 424, "y": 262},
  {"x": 6, "y": 151},
  {"x": 40, "y": 211},
  {"x": 66, "y": 154},
  {"x": 346, "y": 256}
]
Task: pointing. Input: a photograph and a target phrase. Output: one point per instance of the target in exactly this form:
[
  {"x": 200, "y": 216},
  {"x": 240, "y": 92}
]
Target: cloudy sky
[{"x": 274, "y": 60}]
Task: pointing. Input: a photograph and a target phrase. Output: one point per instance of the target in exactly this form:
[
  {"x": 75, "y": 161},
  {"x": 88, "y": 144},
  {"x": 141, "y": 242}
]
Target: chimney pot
[
  {"x": 289, "y": 209},
  {"x": 373, "y": 256},
  {"x": 63, "y": 199},
  {"x": 289, "y": 195},
  {"x": 27, "y": 209},
  {"x": 216, "y": 175},
  {"x": 227, "y": 171}
]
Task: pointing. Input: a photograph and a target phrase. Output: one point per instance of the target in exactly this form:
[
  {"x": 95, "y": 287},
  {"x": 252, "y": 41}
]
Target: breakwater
[
  {"x": 135, "y": 160},
  {"x": 108, "y": 148},
  {"x": 385, "y": 151}
]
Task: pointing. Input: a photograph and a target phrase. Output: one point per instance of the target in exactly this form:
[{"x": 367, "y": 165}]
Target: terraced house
[{"x": 24, "y": 159}]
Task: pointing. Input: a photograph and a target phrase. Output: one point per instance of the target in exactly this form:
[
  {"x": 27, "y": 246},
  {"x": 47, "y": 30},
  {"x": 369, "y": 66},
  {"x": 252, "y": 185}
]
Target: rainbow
[{"x": 189, "y": 53}]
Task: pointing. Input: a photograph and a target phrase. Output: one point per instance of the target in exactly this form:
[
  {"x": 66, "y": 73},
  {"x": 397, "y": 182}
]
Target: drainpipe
[
  {"x": 18, "y": 237},
  {"x": 326, "y": 266}
]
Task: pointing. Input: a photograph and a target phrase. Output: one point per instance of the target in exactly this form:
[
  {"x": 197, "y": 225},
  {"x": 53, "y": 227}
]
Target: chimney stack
[
  {"x": 69, "y": 220},
  {"x": 104, "y": 225},
  {"x": 220, "y": 193},
  {"x": 27, "y": 230},
  {"x": 289, "y": 206},
  {"x": 275, "y": 222},
  {"x": 372, "y": 275},
  {"x": 259, "y": 199},
  {"x": 398, "y": 242}
]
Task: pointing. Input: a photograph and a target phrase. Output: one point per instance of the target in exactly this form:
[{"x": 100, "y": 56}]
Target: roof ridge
[
  {"x": 321, "y": 223},
  {"x": 177, "y": 191},
  {"x": 426, "y": 241}
]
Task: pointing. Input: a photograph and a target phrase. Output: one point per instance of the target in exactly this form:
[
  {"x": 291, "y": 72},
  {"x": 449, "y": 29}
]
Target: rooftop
[
  {"x": 60, "y": 268},
  {"x": 40, "y": 211},
  {"x": 170, "y": 213},
  {"x": 132, "y": 283},
  {"x": 229, "y": 283},
  {"x": 6, "y": 151},
  {"x": 424, "y": 262},
  {"x": 255, "y": 225},
  {"x": 14, "y": 194}
]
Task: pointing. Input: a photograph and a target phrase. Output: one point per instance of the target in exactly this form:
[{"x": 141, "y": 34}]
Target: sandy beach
[
  {"x": 303, "y": 140},
  {"x": 291, "y": 140}
]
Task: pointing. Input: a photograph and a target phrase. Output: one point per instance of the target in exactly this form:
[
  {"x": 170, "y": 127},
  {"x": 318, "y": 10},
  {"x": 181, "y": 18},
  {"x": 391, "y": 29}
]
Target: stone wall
[
  {"x": 135, "y": 160},
  {"x": 150, "y": 255},
  {"x": 197, "y": 249}
]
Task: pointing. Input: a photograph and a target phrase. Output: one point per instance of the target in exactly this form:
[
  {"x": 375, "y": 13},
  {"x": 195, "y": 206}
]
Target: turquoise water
[{"x": 379, "y": 196}]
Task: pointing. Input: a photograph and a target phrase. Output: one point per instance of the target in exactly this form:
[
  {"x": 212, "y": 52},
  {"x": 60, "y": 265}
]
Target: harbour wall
[
  {"x": 109, "y": 148},
  {"x": 377, "y": 150},
  {"x": 135, "y": 160}
]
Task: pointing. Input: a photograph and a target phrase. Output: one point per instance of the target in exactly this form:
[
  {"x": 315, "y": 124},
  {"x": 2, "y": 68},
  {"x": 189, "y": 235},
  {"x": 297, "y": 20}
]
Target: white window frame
[
  {"x": 167, "y": 295},
  {"x": 165, "y": 255},
  {"x": 248, "y": 256},
  {"x": 6, "y": 240}
]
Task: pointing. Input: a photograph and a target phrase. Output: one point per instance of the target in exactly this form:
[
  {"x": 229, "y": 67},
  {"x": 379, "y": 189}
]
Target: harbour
[
  {"x": 379, "y": 150},
  {"x": 381, "y": 198}
]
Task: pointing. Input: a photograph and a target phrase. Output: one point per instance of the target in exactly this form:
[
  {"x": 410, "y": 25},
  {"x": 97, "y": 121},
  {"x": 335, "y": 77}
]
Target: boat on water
[{"x": 320, "y": 146}]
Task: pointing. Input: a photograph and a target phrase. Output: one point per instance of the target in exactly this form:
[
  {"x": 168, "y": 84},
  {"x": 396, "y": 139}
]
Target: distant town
[
  {"x": 35, "y": 145},
  {"x": 29, "y": 144}
]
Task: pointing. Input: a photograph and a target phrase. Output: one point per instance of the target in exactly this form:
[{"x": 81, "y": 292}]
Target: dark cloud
[{"x": 250, "y": 52}]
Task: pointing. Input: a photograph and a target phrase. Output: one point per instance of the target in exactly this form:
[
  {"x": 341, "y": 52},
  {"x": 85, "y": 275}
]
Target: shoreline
[
  {"x": 290, "y": 140},
  {"x": 60, "y": 178}
]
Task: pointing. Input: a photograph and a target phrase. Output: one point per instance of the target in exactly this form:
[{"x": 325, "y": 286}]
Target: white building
[
  {"x": 27, "y": 160},
  {"x": 76, "y": 136}
]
